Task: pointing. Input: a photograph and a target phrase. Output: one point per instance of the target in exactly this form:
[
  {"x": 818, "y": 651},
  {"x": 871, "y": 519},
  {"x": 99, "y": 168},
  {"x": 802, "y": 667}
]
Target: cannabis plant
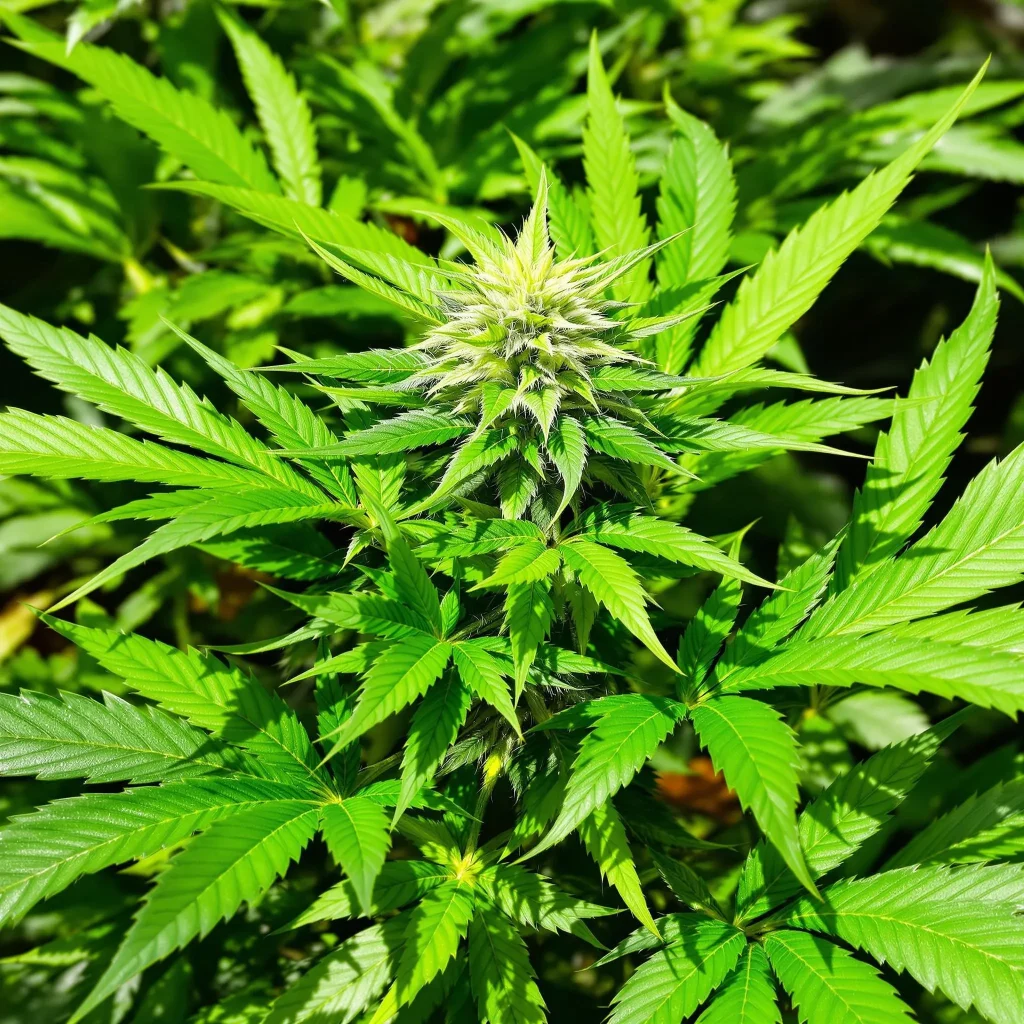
[{"x": 461, "y": 541}]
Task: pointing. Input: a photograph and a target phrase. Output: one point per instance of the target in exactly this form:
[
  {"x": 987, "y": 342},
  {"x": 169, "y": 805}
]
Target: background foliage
[{"x": 417, "y": 109}]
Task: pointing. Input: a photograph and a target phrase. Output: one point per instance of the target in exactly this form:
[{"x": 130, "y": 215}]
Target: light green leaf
[
  {"x": 73, "y": 736},
  {"x": 747, "y": 995},
  {"x": 356, "y": 833},
  {"x": 567, "y": 447},
  {"x": 433, "y": 729},
  {"x": 502, "y": 976},
  {"x": 234, "y": 861},
  {"x": 528, "y": 614},
  {"x": 432, "y": 937},
  {"x": 283, "y": 113},
  {"x": 987, "y": 826},
  {"x": 483, "y": 674},
  {"x": 534, "y": 902},
  {"x": 670, "y": 986},
  {"x": 59, "y": 448},
  {"x": 757, "y": 754},
  {"x": 707, "y": 632},
  {"x": 978, "y": 547},
  {"x": 829, "y": 986},
  {"x": 122, "y": 384},
  {"x": 619, "y": 224},
  {"x": 790, "y": 279},
  {"x": 291, "y": 422},
  {"x": 398, "y": 883},
  {"x": 406, "y": 671},
  {"x": 604, "y": 836},
  {"x": 525, "y": 563},
  {"x": 988, "y": 679},
  {"x": 696, "y": 200},
  {"x": 182, "y": 123},
  {"x": 835, "y": 825},
  {"x": 621, "y": 527},
  {"x": 200, "y": 688},
  {"x": 957, "y": 930},
  {"x": 911, "y": 459},
  {"x": 610, "y": 757},
  {"x": 346, "y": 981},
  {"x": 44, "y": 852},
  {"x": 621, "y": 441},
  {"x": 615, "y": 584}
]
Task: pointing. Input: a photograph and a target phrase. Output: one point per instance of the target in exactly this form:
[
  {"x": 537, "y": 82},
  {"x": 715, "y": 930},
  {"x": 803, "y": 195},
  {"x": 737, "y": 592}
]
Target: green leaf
[
  {"x": 122, "y": 384},
  {"x": 480, "y": 538},
  {"x": 517, "y": 484},
  {"x": 686, "y": 885},
  {"x": 670, "y": 986},
  {"x": 757, "y": 754},
  {"x": 621, "y": 527},
  {"x": 527, "y": 562},
  {"x": 199, "y": 687},
  {"x": 406, "y": 671},
  {"x": 921, "y": 243},
  {"x": 988, "y": 679},
  {"x": 233, "y": 862},
  {"x": 483, "y": 675},
  {"x": 399, "y": 882},
  {"x": 987, "y": 826},
  {"x": 356, "y": 833},
  {"x": 604, "y": 836},
  {"x": 528, "y": 614},
  {"x": 44, "y": 852},
  {"x": 59, "y": 448},
  {"x": 72, "y": 736},
  {"x": 202, "y": 516},
  {"x": 747, "y": 995},
  {"x": 696, "y": 201},
  {"x": 610, "y": 757},
  {"x": 436, "y": 928},
  {"x": 957, "y": 930},
  {"x": 975, "y": 549},
  {"x": 368, "y": 613},
  {"x": 479, "y": 452},
  {"x": 300, "y": 221},
  {"x": 777, "y": 617},
  {"x": 835, "y": 825},
  {"x": 182, "y": 123},
  {"x": 911, "y": 459},
  {"x": 790, "y": 278},
  {"x": 829, "y": 986},
  {"x": 619, "y": 224},
  {"x": 293, "y": 551},
  {"x": 418, "y": 428},
  {"x": 621, "y": 441},
  {"x": 995, "y": 629},
  {"x": 706, "y": 632},
  {"x": 502, "y": 976},
  {"x": 534, "y": 902},
  {"x": 283, "y": 113},
  {"x": 567, "y": 447},
  {"x": 412, "y": 584},
  {"x": 615, "y": 584},
  {"x": 979, "y": 150},
  {"x": 433, "y": 729},
  {"x": 346, "y": 981},
  {"x": 291, "y": 422}
]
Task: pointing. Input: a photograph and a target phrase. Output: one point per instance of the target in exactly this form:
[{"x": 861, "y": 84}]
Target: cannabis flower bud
[{"x": 525, "y": 358}]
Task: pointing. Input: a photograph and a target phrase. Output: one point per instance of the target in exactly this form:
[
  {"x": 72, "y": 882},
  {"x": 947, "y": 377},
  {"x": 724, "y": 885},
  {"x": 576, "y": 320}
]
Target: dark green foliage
[{"x": 440, "y": 354}]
